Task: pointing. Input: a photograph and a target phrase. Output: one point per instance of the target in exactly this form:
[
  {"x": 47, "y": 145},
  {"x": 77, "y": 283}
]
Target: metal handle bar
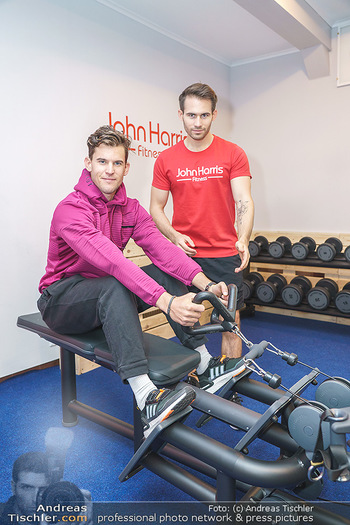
[
  {"x": 256, "y": 351},
  {"x": 232, "y": 299},
  {"x": 216, "y": 325},
  {"x": 231, "y": 307}
]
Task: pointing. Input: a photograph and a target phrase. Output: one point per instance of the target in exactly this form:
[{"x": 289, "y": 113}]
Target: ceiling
[{"x": 228, "y": 32}]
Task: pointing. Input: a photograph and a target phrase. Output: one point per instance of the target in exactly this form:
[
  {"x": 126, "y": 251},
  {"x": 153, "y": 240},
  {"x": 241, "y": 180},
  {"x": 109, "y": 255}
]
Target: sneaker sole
[
  {"x": 220, "y": 381},
  {"x": 179, "y": 404}
]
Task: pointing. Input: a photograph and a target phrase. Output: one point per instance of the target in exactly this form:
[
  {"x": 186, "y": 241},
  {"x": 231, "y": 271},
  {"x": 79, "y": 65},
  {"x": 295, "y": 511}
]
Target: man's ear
[
  {"x": 180, "y": 114},
  {"x": 127, "y": 167},
  {"x": 87, "y": 163},
  {"x": 13, "y": 486},
  {"x": 215, "y": 113}
]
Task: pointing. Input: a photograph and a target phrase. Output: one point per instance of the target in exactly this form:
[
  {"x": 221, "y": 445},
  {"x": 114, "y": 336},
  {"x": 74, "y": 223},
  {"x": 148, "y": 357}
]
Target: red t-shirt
[{"x": 203, "y": 204}]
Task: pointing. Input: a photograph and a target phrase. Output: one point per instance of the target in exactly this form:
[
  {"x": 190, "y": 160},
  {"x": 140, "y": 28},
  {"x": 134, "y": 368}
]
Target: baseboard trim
[{"x": 34, "y": 368}]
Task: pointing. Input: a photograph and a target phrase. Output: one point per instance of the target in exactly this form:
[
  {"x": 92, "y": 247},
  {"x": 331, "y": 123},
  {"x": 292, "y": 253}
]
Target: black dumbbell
[
  {"x": 347, "y": 253},
  {"x": 293, "y": 293},
  {"x": 342, "y": 299},
  {"x": 279, "y": 247},
  {"x": 329, "y": 249},
  {"x": 321, "y": 295},
  {"x": 250, "y": 282},
  {"x": 301, "y": 249},
  {"x": 271, "y": 288},
  {"x": 260, "y": 244}
]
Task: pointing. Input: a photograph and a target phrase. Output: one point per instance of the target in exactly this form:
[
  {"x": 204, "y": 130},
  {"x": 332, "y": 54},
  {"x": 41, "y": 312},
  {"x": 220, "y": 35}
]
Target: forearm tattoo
[{"x": 242, "y": 208}]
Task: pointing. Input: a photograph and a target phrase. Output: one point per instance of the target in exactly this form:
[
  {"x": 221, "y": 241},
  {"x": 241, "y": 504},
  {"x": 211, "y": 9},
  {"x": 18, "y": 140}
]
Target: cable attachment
[
  {"x": 315, "y": 471},
  {"x": 273, "y": 380},
  {"x": 237, "y": 332},
  {"x": 291, "y": 359}
]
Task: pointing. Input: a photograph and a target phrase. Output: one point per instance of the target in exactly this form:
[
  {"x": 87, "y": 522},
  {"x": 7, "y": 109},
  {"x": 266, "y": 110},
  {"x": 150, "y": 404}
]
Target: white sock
[
  {"x": 141, "y": 386},
  {"x": 205, "y": 358}
]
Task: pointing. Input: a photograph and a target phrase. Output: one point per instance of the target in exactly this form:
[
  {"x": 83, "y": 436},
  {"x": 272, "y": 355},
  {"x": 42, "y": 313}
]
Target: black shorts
[{"x": 223, "y": 269}]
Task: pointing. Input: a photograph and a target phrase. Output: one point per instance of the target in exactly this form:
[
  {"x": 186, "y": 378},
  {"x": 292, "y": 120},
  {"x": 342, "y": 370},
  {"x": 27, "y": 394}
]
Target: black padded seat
[{"x": 168, "y": 362}]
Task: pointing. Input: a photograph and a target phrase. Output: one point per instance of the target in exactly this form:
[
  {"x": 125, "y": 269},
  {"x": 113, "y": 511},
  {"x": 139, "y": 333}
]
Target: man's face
[
  {"x": 26, "y": 490},
  {"x": 197, "y": 117},
  {"x": 107, "y": 168}
]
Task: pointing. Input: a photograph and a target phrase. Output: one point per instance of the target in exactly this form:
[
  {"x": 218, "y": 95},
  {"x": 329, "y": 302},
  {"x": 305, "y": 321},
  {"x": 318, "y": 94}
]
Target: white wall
[
  {"x": 65, "y": 65},
  {"x": 296, "y": 134}
]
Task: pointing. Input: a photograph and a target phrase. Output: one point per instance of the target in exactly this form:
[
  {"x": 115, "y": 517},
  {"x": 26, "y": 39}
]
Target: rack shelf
[{"x": 311, "y": 267}]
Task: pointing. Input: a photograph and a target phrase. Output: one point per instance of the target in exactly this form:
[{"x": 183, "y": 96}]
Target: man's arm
[
  {"x": 159, "y": 198},
  {"x": 182, "y": 309},
  {"x": 241, "y": 192},
  {"x": 75, "y": 226}
]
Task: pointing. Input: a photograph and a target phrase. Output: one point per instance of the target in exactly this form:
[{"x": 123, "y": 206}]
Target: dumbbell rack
[{"x": 311, "y": 267}]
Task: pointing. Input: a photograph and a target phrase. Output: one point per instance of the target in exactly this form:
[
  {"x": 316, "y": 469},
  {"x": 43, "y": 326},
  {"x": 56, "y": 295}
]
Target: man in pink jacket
[{"x": 89, "y": 283}]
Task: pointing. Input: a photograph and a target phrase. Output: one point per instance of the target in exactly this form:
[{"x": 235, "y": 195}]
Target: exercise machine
[{"x": 310, "y": 436}]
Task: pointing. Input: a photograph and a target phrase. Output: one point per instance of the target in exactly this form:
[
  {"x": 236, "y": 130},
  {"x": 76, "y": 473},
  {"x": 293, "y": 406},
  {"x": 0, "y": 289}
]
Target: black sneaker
[
  {"x": 219, "y": 372},
  {"x": 162, "y": 403}
]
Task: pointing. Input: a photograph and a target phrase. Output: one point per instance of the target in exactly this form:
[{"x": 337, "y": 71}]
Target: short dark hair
[
  {"x": 110, "y": 137},
  {"x": 198, "y": 90},
  {"x": 30, "y": 462}
]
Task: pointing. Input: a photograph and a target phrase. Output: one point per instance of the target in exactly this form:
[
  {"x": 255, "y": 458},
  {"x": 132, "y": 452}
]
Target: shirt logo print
[{"x": 200, "y": 174}]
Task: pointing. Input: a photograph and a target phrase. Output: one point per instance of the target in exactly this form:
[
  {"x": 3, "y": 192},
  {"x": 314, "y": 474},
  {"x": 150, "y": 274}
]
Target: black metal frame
[{"x": 230, "y": 467}]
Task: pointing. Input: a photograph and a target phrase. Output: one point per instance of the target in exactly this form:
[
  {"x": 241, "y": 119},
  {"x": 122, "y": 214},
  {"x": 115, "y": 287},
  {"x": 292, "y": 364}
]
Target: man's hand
[
  {"x": 185, "y": 243},
  {"x": 221, "y": 291},
  {"x": 201, "y": 281},
  {"x": 244, "y": 254},
  {"x": 184, "y": 311}
]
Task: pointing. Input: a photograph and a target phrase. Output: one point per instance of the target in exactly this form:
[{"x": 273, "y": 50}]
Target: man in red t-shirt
[{"x": 209, "y": 179}]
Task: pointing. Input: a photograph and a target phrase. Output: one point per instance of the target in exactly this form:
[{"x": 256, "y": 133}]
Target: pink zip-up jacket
[{"x": 88, "y": 235}]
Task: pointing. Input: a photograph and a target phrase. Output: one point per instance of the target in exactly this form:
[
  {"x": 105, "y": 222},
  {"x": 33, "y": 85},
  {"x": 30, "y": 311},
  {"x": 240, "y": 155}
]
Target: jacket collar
[{"x": 88, "y": 188}]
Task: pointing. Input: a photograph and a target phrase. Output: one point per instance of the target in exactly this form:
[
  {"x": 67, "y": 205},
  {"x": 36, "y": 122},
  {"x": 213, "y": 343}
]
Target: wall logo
[{"x": 149, "y": 134}]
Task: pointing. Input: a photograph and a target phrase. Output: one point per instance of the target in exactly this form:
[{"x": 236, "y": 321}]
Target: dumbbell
[
  {"x": 249, "y": 284},
  {"x": 301, "y": 249},
  {"x": 259, "y": 244},
  {"x": 347, "y": 253},
  {"x": 329, "y": 249},
  {"x": 342, "y": 299},
  {"x": 321, "y": 295},
  {"x": 279, "y": 247},
  {"x": 271, "y": 288},
  {"x": 293, "y": 293}
]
